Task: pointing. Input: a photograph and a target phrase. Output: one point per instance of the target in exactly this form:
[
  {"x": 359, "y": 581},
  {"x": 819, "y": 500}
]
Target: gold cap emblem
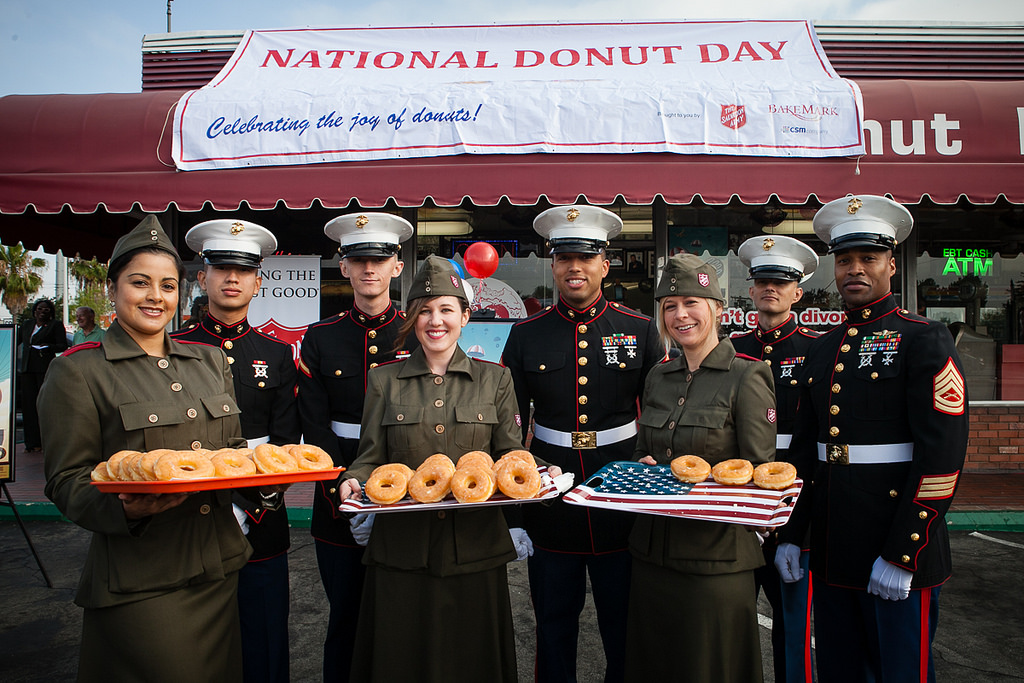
[
  {"x": 854, "y": 205},
  {"x": 573, "y": 214},
  {"x": 362, "y": 221},
  {"x": 768, "y": 243},
  {"x": 237, "y": 228}
]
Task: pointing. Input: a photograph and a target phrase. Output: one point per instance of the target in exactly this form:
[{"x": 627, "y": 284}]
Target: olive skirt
[
  {"x": 415, "y": 627},
  {"x": 190, "y": 634},
  {"x": 695, "y": 628}
]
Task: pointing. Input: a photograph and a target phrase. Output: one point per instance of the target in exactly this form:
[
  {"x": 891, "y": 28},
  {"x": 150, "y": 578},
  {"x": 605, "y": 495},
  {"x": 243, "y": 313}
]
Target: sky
[{"x": 63, "y": 46}]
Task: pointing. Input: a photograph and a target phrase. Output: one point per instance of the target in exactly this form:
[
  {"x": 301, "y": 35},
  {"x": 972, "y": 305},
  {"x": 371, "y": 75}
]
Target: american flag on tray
[{"x": 653, "y": 490}]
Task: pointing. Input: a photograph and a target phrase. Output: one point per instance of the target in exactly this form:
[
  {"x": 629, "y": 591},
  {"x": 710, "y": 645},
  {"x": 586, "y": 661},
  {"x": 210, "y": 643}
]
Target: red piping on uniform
[{"x": 926, "y": 608}]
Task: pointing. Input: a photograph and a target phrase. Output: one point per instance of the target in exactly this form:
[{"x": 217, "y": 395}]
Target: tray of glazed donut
[
  {"x": 733, "y": 491},
  {"x": 170, "y": 471},
  {"x": 475, "y": 480}
]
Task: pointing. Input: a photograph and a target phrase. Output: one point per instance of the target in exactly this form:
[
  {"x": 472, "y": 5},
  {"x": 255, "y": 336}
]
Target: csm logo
[{"x": 793, "y": 129}]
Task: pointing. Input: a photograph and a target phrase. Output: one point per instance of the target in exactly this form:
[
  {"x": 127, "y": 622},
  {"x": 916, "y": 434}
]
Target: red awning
[{"x": 943, "y": 140}]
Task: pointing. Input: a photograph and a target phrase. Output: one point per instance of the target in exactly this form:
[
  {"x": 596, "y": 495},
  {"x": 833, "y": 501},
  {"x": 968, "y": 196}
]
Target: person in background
[
  {"x": 336, "y": 354},
  {"x": 87, "y": 330},
  {"x": 692, "y": 592},
  {"x": 880, "y": 441},
  {"x": 777, "y": 265},
  {"x": 41, "y": 341},
  {"x": 263, "y": 370},
  {"x": 582, "y": 363},
  {"x": 435, "y": 604},
  {"x": 160, "y": 579}
]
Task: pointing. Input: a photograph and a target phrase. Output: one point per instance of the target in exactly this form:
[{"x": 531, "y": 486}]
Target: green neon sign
[{"x": 967, "y": 261}]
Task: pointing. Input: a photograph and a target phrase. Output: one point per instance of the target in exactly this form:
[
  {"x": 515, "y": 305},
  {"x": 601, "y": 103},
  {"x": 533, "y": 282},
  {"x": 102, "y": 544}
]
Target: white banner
[
  {"x": 701, "y": 87},
  {"x": 289, "y": 298}
]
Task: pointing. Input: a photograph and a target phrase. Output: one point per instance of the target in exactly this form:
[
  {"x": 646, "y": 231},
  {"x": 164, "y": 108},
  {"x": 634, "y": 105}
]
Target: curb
[{"x": 299, "y": 517}]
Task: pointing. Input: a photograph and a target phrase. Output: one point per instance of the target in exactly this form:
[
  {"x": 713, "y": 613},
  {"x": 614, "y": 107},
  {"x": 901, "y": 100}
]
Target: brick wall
[{"x": 997, "y": 437}]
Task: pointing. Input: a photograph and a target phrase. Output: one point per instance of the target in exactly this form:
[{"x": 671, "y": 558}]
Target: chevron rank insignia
[
  {"x": 948, "y": 390},
  {"x": 935, "y": 486}
]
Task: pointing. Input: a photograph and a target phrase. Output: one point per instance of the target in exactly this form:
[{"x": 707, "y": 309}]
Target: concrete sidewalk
[{"x": 980, "y": 636}]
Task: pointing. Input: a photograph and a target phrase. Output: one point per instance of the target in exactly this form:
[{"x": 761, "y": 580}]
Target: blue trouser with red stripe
[{"x": 861, "y": 637}]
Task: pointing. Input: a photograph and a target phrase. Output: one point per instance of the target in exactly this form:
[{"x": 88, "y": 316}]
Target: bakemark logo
[
  {"x": 935, "y": 486},
  {"x": 948, "y": 390},
  {"x": 259, "y": 368},
  {"x": 703, "y": 279},
  {"x": 789, "y": 364},
  {"x": 885, "y": 342},
  {"x": 734, "y": 116},
  {"x": 771, "y": 415},
  {"x": 615, "y": 343}
]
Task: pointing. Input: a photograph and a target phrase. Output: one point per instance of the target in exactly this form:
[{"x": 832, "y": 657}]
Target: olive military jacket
[
  {"x": 411, "y": 414},
  {"x": 337, "y": 352},
  {"x": 891, "y": 380},
  {"x": 724, "y": 410},
  {"x": 110, "y": 396}
]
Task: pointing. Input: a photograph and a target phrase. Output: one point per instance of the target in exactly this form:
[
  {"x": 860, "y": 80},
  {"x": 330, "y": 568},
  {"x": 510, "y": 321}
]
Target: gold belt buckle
[
  {"x": 838, "y": 453},
  {"x": 584, "y": 439}
]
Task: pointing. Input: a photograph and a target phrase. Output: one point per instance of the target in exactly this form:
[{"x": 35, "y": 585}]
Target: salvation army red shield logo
[
  {"x": 771, "y": 415},
  {"x": 733, "y": 116},
  {"x": 703, "y": 279},
  {"x": 455, "y": 280}
]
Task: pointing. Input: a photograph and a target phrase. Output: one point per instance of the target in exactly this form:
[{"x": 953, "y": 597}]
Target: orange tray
[{"x": 214, "y": 483}]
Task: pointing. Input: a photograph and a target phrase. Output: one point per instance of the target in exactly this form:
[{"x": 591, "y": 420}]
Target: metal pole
[{"x": 169, "y": 15}]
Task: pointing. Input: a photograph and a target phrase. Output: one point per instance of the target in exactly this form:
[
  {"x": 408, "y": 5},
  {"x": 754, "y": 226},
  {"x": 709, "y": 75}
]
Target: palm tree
[
  {"x": 19, "y": 277},
  {"x": 91, "y": 276}
]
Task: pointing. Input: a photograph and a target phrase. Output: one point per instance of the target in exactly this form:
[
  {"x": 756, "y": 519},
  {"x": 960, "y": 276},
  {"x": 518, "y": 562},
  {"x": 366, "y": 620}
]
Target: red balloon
[{"x": 481, "y": 260}]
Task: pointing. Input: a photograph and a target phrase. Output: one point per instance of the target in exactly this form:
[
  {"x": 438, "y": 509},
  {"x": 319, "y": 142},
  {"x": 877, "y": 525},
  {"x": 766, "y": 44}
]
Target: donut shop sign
[{"x": 325, "y": 95}]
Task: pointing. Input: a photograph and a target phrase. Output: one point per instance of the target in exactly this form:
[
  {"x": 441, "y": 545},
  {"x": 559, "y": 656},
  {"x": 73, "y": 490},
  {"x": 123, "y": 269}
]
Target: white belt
[
  {"x": 581, "y": 440},
  {"x": 345, "y": 430},
  {"x": 253, "y": 443},
  {"x": 878, "y": 454},
  {"x": 783, "y": 441}
]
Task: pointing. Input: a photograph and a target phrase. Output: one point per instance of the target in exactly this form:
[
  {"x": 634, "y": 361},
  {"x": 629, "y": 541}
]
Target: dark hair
[
  {"x": 415, "y": 306},
  {"x": 40, "y": 302},
  {"x": 116, "y": 266}
]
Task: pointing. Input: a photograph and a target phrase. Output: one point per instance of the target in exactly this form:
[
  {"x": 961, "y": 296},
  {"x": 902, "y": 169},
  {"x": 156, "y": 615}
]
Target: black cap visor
[
  {"x": 231, "y": 258},
  {"x": 775, "y": 272},
  {"x": 576, "y": 245},
  {"x": 378, "y": 249},
  {"x": 871, "y": 240}
]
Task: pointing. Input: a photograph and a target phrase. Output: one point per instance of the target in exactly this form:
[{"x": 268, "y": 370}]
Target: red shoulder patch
[
  {"x": 745, "y": 356},
  {"x": 82, "y": 346}
]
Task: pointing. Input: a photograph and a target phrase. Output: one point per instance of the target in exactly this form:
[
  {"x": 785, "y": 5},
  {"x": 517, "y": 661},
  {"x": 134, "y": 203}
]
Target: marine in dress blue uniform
[
  {"x": 336, "y": 355},
  {"x": 778, "y": 265},
  {"x": 880, "y": 438},
  {"x": 584, "y": 370},
  {"x": 264, "y": 376}
]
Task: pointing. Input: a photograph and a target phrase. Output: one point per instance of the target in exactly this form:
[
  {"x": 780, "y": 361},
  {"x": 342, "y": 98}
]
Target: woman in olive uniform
[
  {"x": 160, "y": 579},
  {"x": 693, "y": 612},
  {"x": 435, "y": 603}
]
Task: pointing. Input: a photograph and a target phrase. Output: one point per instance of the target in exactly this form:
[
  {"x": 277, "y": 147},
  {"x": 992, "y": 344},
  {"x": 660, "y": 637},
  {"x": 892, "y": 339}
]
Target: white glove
[
  {"x": 888, "y": 581},
  {"x": 361, "y": 526},
  {"x": 787, "y": 562},
  {"x": 522, "y": 542}
]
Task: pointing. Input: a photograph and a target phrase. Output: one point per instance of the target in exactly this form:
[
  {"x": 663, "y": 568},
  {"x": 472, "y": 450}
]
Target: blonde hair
[{"x": 666, "y": 339}]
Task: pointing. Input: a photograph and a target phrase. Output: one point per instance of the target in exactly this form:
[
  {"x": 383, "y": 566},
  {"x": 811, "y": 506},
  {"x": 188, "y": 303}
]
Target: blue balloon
[{"x": 459, "y": 270}]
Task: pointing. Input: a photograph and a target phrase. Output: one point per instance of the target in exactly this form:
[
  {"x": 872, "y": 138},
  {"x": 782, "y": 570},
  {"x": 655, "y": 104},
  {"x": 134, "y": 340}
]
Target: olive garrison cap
[
  {"x": 689, "y": 275},
  {"x": 148, "y": 233},
  {"x": 438, "y": 277}
]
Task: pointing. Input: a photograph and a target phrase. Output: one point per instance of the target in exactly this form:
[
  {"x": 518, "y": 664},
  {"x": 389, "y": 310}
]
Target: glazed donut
[
  {"x": 230, "y": 463},
  {"x": 690, "y": 469},
  {"x": 183, "y": 465},
  {"x": 271, "y": 459},
  {"x": 100, "y": 473},
  {"x": 774, "y": 475},
  {"x": 114, "y": 464},
  {"x": 310, "y": 457},
  {"x": 514, "y": 456},
  {"x": 477, "y": 458},
  {"x": 144, "y": 467},
  {"x": 473, "y": 484},
  {"x": 389, "y": 483},
  {"x": 128, "y": 468},
  {"x": 432, "y": 480},
  {"x": 735, "y": 472},
  {"x": 519, "y": 479}
]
